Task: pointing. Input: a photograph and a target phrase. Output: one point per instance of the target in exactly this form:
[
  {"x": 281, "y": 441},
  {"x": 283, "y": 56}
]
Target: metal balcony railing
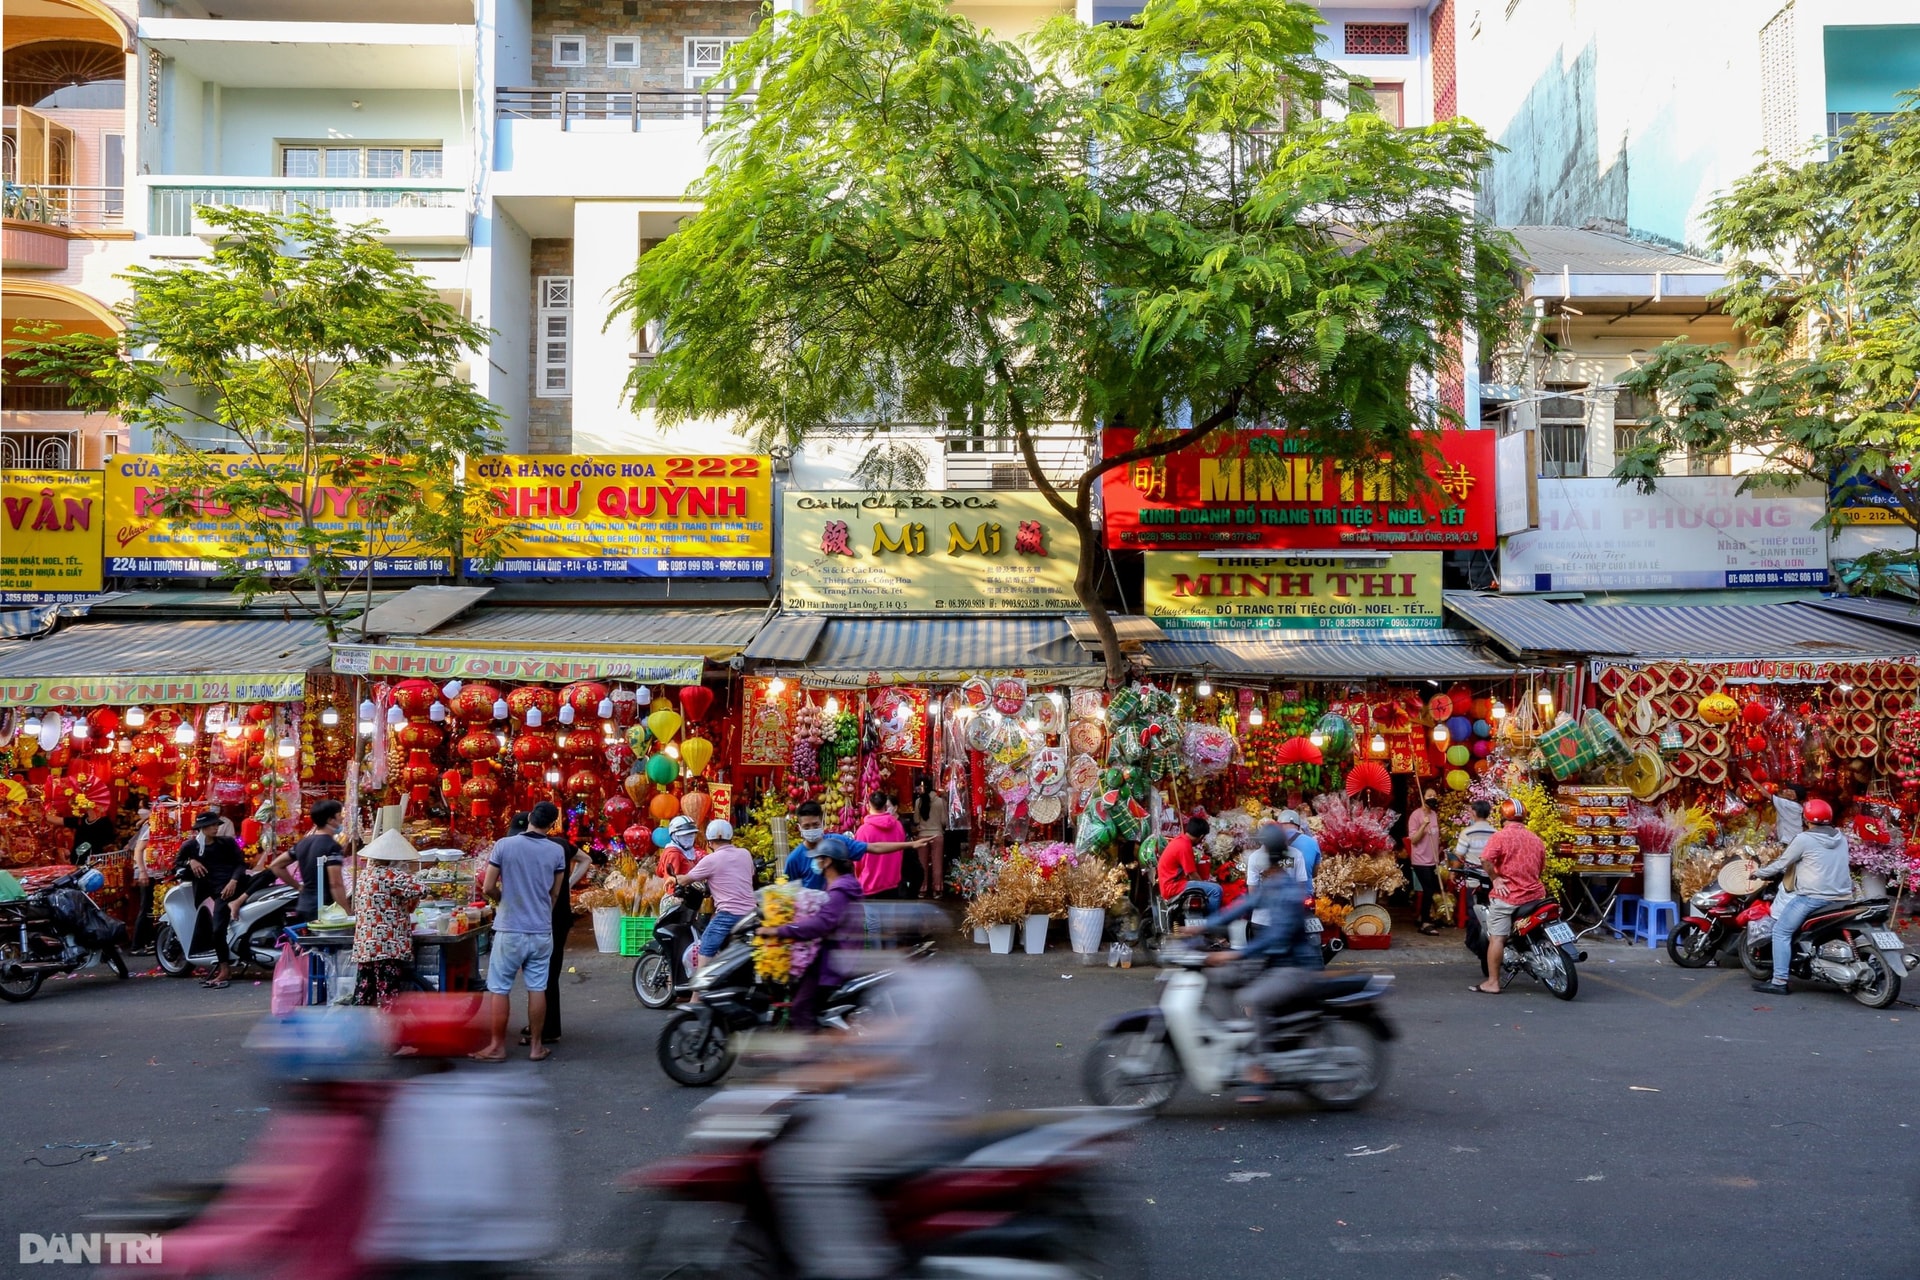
[
  {"x": 630, "y": 105},
  {"x": 38, "y": 450},
  {"x": 34, "y": 397},
  {"x": 65, "y": 206},
  {"x": 173, "y": 206},
  {"x": 981, "y": 461}
]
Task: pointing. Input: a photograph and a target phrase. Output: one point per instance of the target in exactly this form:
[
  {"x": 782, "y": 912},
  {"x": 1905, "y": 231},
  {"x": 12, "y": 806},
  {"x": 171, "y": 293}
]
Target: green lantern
[
  {"x": 661, "y": 769},
  {"x": 1337, "y": 732}
]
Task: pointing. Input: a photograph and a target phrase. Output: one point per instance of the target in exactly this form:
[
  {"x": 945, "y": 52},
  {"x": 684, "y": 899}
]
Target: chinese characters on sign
[
  {"x": 650, "y": 516},
  {"x": 926, "y": 552},
  {"x": 49, "y": 535},
  {"x": 1251, "y": 489},
  {"x": 1317, "y": 593}
]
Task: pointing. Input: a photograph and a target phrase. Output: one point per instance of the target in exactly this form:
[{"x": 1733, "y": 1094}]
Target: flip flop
[
  {"x": 1480, "y": 990},
  {"x": 541, "y": 1056},
  {"x": 481, "y": 1057},
  {"x": 526, "y": 1039},
  {"x": 212, "y": 985}
]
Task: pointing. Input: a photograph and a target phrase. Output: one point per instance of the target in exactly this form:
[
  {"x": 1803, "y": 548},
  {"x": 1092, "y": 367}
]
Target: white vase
[
  {"x": 1364, "y": 897},
  {"x": 980, "y": 937},
  {"x": 606, "y": 929},
  {"x": 1036, "y": 934},
  {"x": 1084, "y": 927},
  {"x": 1656, "y": 877},
  {"x": 1000, "y": 939},
  {"x": 1872, "y": 886}
]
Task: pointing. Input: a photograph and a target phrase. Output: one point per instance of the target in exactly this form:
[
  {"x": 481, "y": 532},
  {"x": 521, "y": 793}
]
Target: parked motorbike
[
  {"x": 1850, "y": 946},
  {"x": 56, "y": 929},
  {"x": 1711, "y": 928},
  {"x": 1013, "y": 1197},
  {"x": 1329, "y": 1043},
  {"x": 1542, "y": 944},
  {"x": 660, "y": 975},
  {"x": 252, "y": 936}
]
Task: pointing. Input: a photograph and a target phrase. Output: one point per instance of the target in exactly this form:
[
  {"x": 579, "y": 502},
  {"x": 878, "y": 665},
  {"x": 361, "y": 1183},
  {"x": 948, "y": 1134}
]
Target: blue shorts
[
  {"x": 519, "y": 954},
  {"x": 714, "y": 936}
]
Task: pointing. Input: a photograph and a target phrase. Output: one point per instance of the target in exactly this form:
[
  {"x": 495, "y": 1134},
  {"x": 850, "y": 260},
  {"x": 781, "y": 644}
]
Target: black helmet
[{"x": 1274, "y": 840}]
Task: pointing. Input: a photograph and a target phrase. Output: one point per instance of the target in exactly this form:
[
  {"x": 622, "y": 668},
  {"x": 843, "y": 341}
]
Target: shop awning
[
  {"x": 243, "y": 660},
  {"x": 419, "y": 610},
  {"x": 1522, "y": 625},
  {"x": 852, "y": 652},
  {"x": 789, "y": 638},
  {"x": 1262, "y": 653},
  {"x": 719, "y": 633},
  {"x": 19, "y": 624},
  {"x": 1899, "y": 614}
]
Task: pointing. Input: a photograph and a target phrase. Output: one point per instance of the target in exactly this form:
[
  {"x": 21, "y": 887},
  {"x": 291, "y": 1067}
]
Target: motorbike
[
  {"x": 660, "y": 974},
  {"x": 56, "y": 929},
  {"x": 1542, "y": 944},
  {"x": 253, "y": 935},
  {"x": 1329, "y": 1042},
  {"x": 1013, "y": 1197},
  {"x": 1711, "y": 928},
  {"x": 1849, "y": 946}
]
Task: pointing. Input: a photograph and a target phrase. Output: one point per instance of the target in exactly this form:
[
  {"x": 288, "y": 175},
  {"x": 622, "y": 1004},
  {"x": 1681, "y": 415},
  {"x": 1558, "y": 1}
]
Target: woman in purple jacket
[{"x": 840, "y": 923}]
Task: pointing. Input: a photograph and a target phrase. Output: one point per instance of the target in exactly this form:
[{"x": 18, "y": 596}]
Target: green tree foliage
[
  {"x": 302, "y": 357},
  {"x": 1823, "y": 270},
  {"x": 1142, "y": 226}
]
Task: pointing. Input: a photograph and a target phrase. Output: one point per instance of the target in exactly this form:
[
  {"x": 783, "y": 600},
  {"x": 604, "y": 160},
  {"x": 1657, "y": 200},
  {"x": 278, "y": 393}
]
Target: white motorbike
[
  {"x": 253, "y": 936},
  {"x": 1329, "y": 1042}
]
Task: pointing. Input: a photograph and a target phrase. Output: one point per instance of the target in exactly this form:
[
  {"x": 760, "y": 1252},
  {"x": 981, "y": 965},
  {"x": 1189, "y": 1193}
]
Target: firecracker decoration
[{"x": 1903, "y": 748}]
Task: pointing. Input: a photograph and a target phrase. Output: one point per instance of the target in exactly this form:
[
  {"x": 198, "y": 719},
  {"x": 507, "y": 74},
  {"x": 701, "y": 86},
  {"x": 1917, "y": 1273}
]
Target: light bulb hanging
[
  {"x": 605, "y": 709},
  {"x": 329, "y": 715},
  {"x": 1255, "y": 716},
  {"x": 396, "y": 717},
  {"x": 499, "y": 708},
  {"x": 1377, "y": 745},
  {"x": 136, "y": 717},
  {"x": 184, "y": 734},
  {"x": 287, "y": 748},
  {"x": 1441, "y": 734},
  {"x": 1498, "y": 711},
  {"x": 1544, "y": 697},
  {"x": 1203, "y": 688},
  {"x": 451, "y": 690},
  {"x": 534, "y": 718},
  {"x": 566, "y": 714},
  {"x": 437, "y": 712}
]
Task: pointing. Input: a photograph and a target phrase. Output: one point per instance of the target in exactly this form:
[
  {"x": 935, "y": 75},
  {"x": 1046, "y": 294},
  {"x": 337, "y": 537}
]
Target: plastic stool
[
  {"x": 1620, "y": 918},
  {"x": 1650, "y": 921}
]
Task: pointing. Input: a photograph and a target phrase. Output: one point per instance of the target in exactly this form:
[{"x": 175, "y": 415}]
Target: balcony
[
  {"x": 41, "y": 220},
  {"x": 407, "y": 214},
  {"x": 285, "y": 55},
  {"x": 632, "y": 143},
  {"x": 984, "y": 462}
]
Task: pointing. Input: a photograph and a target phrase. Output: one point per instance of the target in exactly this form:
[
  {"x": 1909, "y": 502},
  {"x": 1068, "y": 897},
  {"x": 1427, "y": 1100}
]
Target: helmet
[
  {"x": 681, "y": 825},
  {"x": 835, "y": 850},
  {"x": 93, "y": 881},
  {"x": 1818, "y": 811},
  {"x": 1513, "y": 811},
  {"x": 719, "y": 829},
  {"x": 326, "y": 1043},
  {"x": 1274, "y": 840}
]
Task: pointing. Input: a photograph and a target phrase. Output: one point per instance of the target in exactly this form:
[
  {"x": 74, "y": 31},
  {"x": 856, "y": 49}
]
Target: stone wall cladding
[
  {"x": 662, "y": 29},
  {"x": 549, "y": 422},
  {"x": 1446, "y": 96}
]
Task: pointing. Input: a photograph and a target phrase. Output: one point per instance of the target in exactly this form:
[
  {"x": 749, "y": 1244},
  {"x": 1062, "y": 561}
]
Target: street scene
[{"x": 959, "y": 639}]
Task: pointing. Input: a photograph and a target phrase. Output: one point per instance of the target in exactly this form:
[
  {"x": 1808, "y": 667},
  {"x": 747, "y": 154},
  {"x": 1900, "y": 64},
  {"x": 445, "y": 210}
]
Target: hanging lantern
[
  {"x": 696, "y": 700},
  {"x": 617, "y": 812},
  {"x": 696, "y": 805},
  {"x": 663, "y": 807},
  {"x": 420, "y": 735},
  {"x": 636, "y": 785},
  {"x": 664, "y": 724},
  {"x": 696, "y": 753},
  {"x": 583, "y": 784},
  {"x": 533, "y": 746},
  {"x": 636, "y": 837},
  {"x": 662, "y": 769},
  {"x": 415, "y": 697},
  {"x": 530, "y": 698},
  {"x": 583, "y": 697},
  {"x": 478, "y": 744}
]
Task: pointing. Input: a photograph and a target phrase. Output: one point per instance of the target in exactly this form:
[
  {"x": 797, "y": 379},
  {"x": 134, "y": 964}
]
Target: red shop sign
[{"x": 1208, "y": 498}]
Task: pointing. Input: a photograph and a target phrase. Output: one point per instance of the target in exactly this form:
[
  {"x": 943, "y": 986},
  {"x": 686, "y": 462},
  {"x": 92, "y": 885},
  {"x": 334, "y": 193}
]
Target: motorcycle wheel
[
  {"x": 118, "y": 963},
  {"x": 1687, "y": 946},
  {"x": 1758, "y": 963},
  {"x": 1132, "y": 1069},
  {"x": 169, "y": 954},
  {"x": 1550, "y": 964},
  {"x": 16, "y": 990},
  {"x": 1885, "y": 987},
  {"x": 698, "y": 1240},
  {"x": 693, "y": 1051},
  {"x": 1362, "y": 1053},
  {"x": 653, "y": 979}
]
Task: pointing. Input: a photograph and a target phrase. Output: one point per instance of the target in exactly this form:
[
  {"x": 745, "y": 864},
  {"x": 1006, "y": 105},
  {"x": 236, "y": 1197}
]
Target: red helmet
[
  {"x": 1819, "y": 811},
  {"x": 1513, "y": 810}
]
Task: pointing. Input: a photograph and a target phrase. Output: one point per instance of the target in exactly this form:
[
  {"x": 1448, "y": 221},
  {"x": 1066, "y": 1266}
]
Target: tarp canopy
[
  {"x": 114, "y": 663},
  {"x": 1524, "y": 626},
  {"x": 1262, "y": 653},
  {"x": 853, "y": 652}
]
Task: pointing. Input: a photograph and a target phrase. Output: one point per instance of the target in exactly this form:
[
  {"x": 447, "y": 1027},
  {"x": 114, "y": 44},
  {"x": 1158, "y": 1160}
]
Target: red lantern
[
  {"x": 478, "y": 744},
  {"x": 583, "y": 746},
  {"x": 255, "y": 734},
  {"x": 104, "y": 720},
  {"x": 533, "y": 745},
  {"x": 260, "y": 713},
  {"x": 583, "y": 784},
  {"x": 1757, "y": 744},
  {"x": 481, "y": 786},
  {"x": 420, "y": 735},
  {"x": 416, "y": 697},
  {"x": 1755, "y": 712},
  {"x": 475, "y": 703},
  {"x": 249, "y": 832},
  {"x": 696, "y": 700},
  {"x": 527, "y": 697},
  {"x": 617, "y": 812},
  {"x": 637, "y": 837},
  {"x": 585, "y": 698},
  {"x": 451, "y": 783}
]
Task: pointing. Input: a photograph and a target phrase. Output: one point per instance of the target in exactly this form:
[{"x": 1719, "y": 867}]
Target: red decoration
[
  {"x": 637, "y": 837},
  {"x": 527, "y": 697},
  {"x": 1369, "y": 775},
  {"x": 415, "y": 697},
  {"x": 696, "y": 700},
  {"x": 420, "y": 735},
  {"x": 585, "y": 698},
  {"x": 533, "y": 745},
  {"x": 1755, "y": 712},
  {"x": 474, "y": 703},
  {"x": 104, "y": 720},
  {"x": 1299, "y": 750},
  {"x": 618, "y": 811},
  {"x": 1756, "y": 744},
  {"x": 478, "y": 744},
  {"x": 583, "y": 784}
]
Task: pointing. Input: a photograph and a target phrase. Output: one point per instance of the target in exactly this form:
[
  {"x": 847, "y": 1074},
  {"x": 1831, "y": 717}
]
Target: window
[
  {"x": 113, "y": 173},
  {"x": 1367, "y": 38},
  {"x": 1630, "y": 413},
  {"x": 382, "y": 160},
  {"x": 553, "y": 338},
  {"x": 1700, "y": 463},
  {"x": 1563, "y": 430},
  {"x": 704, "y": 56},
  {"x": 569, "y": 51},
  {"x": 1387, "y": 101},
  {"x": 623, "y": 51}
]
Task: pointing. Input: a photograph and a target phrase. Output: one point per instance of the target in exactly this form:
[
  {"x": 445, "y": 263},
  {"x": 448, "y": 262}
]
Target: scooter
[
  {"x": 1329, "y": 1042},
  {"x": 1848, "y": 946},
  {"x": 1015, "y": 1196},
  {"x": 1711, "y": 928},
  {"x": 253, "y": 935},
  {"x": 1542, "y": 944},
  {"x": 56, "y": 929},
  {"x": 660, "y": 975}
]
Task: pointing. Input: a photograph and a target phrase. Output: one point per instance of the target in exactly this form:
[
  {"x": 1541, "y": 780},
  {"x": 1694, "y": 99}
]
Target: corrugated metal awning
[
  {"x": 791, "y": 637},
  {"x": 18, "y": 624},
  {"x": 1897, "y": 613},
  {"x": 419, "y": 610},
  {"x": 865, "y": 651},
  {"x": 177, "y": 661},
  {"x": 1263, "y": 653},
  {"x": 1522, "y": 625},
  {"x": 719, "y": 633}
]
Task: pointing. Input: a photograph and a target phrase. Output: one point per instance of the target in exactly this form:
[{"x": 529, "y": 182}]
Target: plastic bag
[{"x": 289, "y": 982}]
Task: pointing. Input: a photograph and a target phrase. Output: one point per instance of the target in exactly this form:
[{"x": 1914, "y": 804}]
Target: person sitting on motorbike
[
  {"x": 217, "y": 866},
  {"x": 1515, "y": 857},
  {"x": 1179, "y": 869},
  {"x": 840, "y": 923},
  {"x": 1281, "y": 962},
  {"x": 1818, "y": 859}
]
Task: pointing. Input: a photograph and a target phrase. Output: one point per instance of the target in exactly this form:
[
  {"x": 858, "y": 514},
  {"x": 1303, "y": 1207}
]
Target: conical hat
[{"x": 391, "y": 846}]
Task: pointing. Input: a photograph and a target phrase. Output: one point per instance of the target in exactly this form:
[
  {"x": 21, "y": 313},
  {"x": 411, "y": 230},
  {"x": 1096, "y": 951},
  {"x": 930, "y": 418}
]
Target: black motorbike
[
  {"x": 55, "y": 929},
  {"x": 1849, "y": 946},
  {"x": 1542, "y": 944},
  {"x": 660, "y": 974}
]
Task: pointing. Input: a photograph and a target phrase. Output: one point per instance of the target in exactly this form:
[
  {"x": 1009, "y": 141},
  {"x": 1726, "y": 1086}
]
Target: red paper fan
[
  {"x": 1369, "y": 775},
  {"x": 1299, "y": 751}
]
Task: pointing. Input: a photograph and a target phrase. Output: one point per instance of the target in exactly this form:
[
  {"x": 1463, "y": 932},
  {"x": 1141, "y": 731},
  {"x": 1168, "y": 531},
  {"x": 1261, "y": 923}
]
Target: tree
[
  {"x": 1143, "y": 226},
  {"x": 302, "y": 385},
  {"x": 1823, "y": 282}
]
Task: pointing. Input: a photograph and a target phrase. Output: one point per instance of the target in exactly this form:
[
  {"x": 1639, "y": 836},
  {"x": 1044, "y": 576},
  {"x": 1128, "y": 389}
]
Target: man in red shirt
[
  {"x": 1515, "y": 857},
  {"x": 1179, "y": 870}
]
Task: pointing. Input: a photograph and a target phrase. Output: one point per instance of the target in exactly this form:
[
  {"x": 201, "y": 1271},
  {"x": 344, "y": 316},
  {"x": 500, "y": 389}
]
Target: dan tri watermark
[{"x": 95, "y": 1247}]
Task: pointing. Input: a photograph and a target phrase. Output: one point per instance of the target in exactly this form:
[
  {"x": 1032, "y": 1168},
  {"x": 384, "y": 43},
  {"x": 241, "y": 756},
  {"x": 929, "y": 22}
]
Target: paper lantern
[
  {"x": 663, "y": 807},
  {"x": 696, "y": 700},
  {"x": 1757, "y": 743},
  {"x": 637, "y": 738},
  {"x": 584, "y": 697},
  {"x": 636, "y": 786},
  {"x": 617, "y": 812},
  {"x": 1460, "y": 727},
  {"x": 695, "y": 753},
  {"x": 1369, "y": 775},
  {"x": 104, "y": 720},
  {"x": 1298, "y": 751},
  {"x": 583, "y": 784},
  {"x": 583, "y": 746},
  {"x": 696, "y": 805},
  {"x": 1458, "y": 779},
  {"x": 660, "y": 838},
  {"x": 474, "y": 702},
  {"x": 478, "y": 744},
  {"x": 1481, "y": 729},
  {"x": 1439, "y": 707},
  {"x": 415, "y": 697},
  {"x": 532, "y": 697},
  {"x": 532, "y": 746},
  {"x": 450, "y": 784},
  {"x": 1717, "y": 708},
  {"x": 660, "y": 704},
  {"x": 635, "y": 836},
  {"x": 1458, "y": 754},
  {"x": 1755, "y": 712},
  {"x": 1480, "y": 747},
  {"x": 418, "y": 735},
  {"x": 663, "y": 724},
  {"x": 662, "y": 768},
  {"x": 1337, "y": 732}
]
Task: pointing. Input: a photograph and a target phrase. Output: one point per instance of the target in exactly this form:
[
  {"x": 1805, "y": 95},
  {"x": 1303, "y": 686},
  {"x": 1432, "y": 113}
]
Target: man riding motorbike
[
  {"x": 219, "y": 871},
  {"x": 840, "y": 922},
  {"x": 1818, "y": 857}
]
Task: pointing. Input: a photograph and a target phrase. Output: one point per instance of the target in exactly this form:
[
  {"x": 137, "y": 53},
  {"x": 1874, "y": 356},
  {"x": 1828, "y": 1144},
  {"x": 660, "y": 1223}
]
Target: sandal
[
  {"x": 1430, "y": 930},
  {"x": 1477, "y": 989},
  {"x": 220, "y": 984},
  {"x": 526, "y": 1039}
]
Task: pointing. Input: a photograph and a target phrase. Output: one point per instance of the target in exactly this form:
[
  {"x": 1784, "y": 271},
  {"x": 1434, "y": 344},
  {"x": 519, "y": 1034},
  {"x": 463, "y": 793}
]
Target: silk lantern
[
  {"x": 662, "y": 769},
  {"x": 663, "y": 807},
  {"x": 696, "y": 753},
  {"x": 1458, "y": 779},
  {"x": 1458, "y": 755},
  {"x": 585, "y": 697},
  {"x": 583, "y": 784},
  {"x": 420, "y": 735},
  {"x": 617, "y": 812},
  {"x": 532, "y": 697},
  {"x": 696, "y": 805},
  {"x": 478, "y": 744},
  {"x": 636, "y": 786},
  {"x": 533, "y": 745},
  {"x": 696, "y": 700},
  {"x": 664, "y": 724},
  {"x": 635, "y": 836},
  {"x": 474, "y": 703},
  {"x": 415, "y": 697},
  {"x": 660, "y": 838}
]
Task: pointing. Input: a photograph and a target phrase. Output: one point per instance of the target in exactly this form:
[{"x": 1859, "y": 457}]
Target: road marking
[
  {"x": 1712, "y": 984},
  {"x": 1448, "y": 1244}
]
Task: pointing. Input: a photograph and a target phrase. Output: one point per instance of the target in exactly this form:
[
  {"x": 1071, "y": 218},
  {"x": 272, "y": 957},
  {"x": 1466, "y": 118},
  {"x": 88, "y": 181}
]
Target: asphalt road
[{"x": 1666, "y": 1123}]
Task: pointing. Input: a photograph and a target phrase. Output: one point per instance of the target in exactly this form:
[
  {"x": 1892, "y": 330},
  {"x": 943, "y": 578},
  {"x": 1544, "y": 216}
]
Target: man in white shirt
[{"x": 1474, "y": 836}]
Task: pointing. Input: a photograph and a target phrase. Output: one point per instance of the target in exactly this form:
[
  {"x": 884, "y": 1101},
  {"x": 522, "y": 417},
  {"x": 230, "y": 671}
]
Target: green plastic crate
[{"x": 635, "y": 933}]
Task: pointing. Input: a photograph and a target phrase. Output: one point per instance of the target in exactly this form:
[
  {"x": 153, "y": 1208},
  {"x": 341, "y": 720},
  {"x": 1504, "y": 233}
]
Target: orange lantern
[
  {"x": 696, "y": 805},
  {"x": 663, "y": 807}
]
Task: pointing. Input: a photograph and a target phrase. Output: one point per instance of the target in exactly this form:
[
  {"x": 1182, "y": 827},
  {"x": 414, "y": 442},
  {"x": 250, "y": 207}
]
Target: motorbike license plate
[
  {"x": 1559, "y": 934},
  {"x": 1887, "y": 941},
  {"x": 1313, "y": 924}
]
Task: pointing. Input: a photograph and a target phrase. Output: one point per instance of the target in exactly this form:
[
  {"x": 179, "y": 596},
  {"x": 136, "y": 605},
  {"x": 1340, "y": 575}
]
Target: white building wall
[
  {"x": 1410, "y": 70},
  {"x": 253, "y": 121}
]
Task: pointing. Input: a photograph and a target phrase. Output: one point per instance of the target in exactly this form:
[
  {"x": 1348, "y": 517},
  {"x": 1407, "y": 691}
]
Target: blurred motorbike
[{"x": 57, "y": 928}]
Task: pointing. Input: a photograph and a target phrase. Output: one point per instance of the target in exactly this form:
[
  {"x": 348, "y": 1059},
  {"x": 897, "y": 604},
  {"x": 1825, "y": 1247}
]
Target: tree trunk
[{"x": 1086, "y": 589}]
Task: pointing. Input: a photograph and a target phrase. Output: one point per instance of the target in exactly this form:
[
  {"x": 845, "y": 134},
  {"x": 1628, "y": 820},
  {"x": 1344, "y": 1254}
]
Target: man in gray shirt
[{"x": 526, "y": 874}]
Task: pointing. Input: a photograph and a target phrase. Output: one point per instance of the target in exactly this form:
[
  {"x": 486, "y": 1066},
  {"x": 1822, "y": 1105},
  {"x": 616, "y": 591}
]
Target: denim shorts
[
  {"x": 525, "y": 954},
  {"x": 714, "y": 936}
]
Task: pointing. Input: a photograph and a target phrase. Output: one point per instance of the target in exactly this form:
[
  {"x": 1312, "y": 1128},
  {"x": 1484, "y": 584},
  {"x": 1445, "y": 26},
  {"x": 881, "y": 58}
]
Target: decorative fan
[
  {"x": 1369, "y": 775},
  {"x": 33, "y": 70},
  {"x": 1299, "y": 751},
  {"x": 1645, "y": 775}
]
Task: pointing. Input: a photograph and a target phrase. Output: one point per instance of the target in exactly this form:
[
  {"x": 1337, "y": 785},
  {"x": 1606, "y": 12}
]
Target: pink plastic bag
[{"x": 289, "y": 982}]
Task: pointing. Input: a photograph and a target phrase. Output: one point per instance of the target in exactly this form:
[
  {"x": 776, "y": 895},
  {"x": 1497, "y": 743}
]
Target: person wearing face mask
[
  {"x": 678, "y": 857},
  {"x": 811, "y": 822},
  {"x": 839, "y": 923}
]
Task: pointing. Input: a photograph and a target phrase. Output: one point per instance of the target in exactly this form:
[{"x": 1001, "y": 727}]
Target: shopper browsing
[
  {"x": 811, "y": 823},
  {"x": 524, "y": 875},
  {"x": 317, "y": 858}
]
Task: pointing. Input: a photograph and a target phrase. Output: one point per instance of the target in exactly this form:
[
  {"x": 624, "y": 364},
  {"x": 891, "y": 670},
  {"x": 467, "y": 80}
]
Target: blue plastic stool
[
  {"x": 1650, "y": 921},
  {"x": 1620, "y": 918}
]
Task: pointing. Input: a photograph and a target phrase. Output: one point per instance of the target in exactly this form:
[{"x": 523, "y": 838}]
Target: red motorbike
[
  {"x": 1015, "y": 1195},
  {"x": 1711, "y": 928}
]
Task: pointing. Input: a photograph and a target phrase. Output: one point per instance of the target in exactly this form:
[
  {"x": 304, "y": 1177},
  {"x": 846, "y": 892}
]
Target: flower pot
[
  {"x": 606, "y": 929},
  {"x": 1000, "y": 939},
  {"x": 1872, "y": 885},
  {"x": 1035, "y": 939},
  {"x": 980, "y": 937},
  {"x": 1657, "y": 877},
  {"x": 1084, "y": 927},
  {"x": 1364, "y": 897}
]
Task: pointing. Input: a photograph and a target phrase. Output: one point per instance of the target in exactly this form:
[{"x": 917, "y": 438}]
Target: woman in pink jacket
[{"x": 879, "y": 873}]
